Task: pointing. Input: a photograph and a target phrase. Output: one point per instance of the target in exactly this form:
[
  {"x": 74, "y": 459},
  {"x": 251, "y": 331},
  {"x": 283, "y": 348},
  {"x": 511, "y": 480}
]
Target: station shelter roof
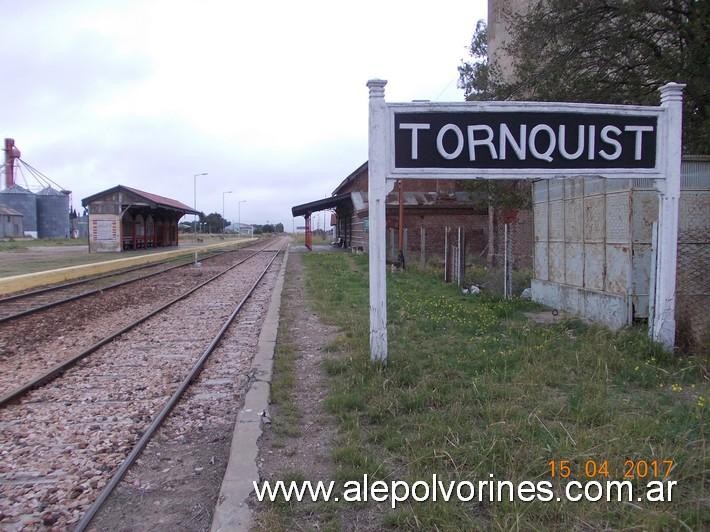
[
  {"x": 305, "y": 209},
  {"x": 152, "y": 200}
]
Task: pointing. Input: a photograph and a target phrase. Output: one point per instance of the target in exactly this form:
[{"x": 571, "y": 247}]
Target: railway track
[
  {"x": 34, "y": 343},
  {"x": 66, "y": 444},
  {"x": 25, "y": 303},
  {"x": 57, "y": 367}
]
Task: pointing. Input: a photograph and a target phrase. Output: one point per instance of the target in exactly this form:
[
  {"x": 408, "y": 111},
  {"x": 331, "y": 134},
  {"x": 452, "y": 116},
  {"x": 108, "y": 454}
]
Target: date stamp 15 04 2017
[{"x": 629, "y": 469}]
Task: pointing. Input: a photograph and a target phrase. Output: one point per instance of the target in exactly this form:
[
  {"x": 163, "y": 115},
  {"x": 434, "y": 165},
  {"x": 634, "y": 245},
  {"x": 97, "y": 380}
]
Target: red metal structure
[{"x": 11, "y": 153}]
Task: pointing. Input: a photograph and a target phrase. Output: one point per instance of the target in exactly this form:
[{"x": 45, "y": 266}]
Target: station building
[
  {"x": 123, "y": 218},
  {"x": 10, "y": 223},
  {"x": 430, "y": 207}
]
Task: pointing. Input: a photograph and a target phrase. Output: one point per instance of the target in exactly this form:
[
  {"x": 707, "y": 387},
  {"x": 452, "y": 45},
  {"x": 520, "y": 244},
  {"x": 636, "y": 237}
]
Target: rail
[
  {"x": 60, "y": 368},
  {"x": 160, "y": 417}
]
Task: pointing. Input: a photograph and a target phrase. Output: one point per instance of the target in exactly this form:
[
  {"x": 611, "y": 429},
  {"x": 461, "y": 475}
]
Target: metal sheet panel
[
  {"x": 695, "y": 174},
  {"x": 641, "y": 270},
  {"x": 644, "y": 205},
  {"x": 557, "y": 221},
  {"x": 574, "y": 187},
  {"x": 540, "y": 191},
  {"x": 540, "y": 222},
  {"x": 640, "y": 306},
  {"x": 541, "y": 269},
  {"x": 573, "y": 220},
  {"x": 618, "y": 268},
  {"x": 594, "y": 266},
  {"x": 641, "y": 278},
  {"x": 594, "y": 219},
  {"x": 618, "y": 230},
  {"x": 617, "y": 185},
  {"x": 556, "y": 189},
  {"x": 574, "y": 264},
  {"x": 556, "y": 266},
  {"x": 594, "y": 186}
]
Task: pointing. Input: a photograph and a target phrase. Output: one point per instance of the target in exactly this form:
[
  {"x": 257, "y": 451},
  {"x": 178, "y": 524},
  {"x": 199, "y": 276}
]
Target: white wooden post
[
  {"x": 669, "y": 188},
  {"x": 377, "y": 170}
]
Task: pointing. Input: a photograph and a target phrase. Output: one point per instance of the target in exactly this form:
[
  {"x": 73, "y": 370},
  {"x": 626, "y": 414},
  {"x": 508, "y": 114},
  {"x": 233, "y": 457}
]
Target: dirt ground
[
  {"x": 28, "y": 260},
  {"x": 309, "y": 452}
]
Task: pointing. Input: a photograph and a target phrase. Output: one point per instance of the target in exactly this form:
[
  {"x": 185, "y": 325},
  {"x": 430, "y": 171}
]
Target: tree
[
  {"x": 474, "y": 76},
  {"x": 214, "y": 223},
  {"x": 279, "y": 228},
  {"x": 611, "y": 51},
  {"x": 479, "y": 79}
]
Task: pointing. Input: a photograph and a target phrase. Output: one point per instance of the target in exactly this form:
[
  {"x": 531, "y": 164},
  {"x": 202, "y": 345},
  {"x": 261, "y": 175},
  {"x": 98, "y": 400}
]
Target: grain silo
[
  {"x": 53, "y": 213},
  {"x": 25, "y": 202}
]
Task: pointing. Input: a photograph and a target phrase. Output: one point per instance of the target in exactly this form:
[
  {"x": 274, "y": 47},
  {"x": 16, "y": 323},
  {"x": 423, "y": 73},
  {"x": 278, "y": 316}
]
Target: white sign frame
[{"x": 666, "y": 173}]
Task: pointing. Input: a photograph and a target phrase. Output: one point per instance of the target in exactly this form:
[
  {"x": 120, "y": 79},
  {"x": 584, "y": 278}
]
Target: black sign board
[{"x": 519, "y": 140}]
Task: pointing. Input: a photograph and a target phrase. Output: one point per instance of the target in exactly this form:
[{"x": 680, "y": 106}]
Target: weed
[{"x": 473, "y": 389}]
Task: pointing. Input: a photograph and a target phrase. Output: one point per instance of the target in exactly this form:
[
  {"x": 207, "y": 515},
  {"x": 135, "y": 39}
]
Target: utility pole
[{"x": 224, "y": 222}]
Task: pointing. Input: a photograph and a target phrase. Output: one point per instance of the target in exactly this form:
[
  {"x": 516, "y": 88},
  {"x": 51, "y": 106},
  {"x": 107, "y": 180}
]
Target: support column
[
  {"x": 377, "y": 174},
  {"x": 663, "y": 326},
  {"x": 309, "y": 234}
]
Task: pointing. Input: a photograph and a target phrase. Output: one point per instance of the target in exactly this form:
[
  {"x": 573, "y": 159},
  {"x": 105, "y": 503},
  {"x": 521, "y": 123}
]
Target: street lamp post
[
  {"x": 194, "y": 199},
  {"x": 224, "y": 223},
  {"x": 239, "y": 215}
]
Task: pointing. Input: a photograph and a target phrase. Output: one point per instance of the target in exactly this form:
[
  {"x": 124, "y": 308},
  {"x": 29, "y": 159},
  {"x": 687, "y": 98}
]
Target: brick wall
[{"x": 475, "y": 227}]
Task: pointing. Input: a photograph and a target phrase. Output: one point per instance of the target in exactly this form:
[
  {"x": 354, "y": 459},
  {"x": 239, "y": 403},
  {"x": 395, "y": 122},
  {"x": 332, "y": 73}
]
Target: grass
[
  {"x": 282, "y": 515},
  {"x": 473, "y": 389},
  {"x": 317, "y": 238},
  {"x": 20, "y": 257},
  {"x": 287, "y": 423},
  {"x": 17, "y": 245}
]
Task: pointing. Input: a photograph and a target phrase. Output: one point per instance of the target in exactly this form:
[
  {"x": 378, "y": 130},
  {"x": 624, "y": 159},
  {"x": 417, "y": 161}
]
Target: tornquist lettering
[{"x": 524, "y": 140}]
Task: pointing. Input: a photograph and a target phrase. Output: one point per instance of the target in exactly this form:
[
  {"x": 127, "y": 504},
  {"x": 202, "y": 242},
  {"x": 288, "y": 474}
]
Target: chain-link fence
[{"x": 492, "y": 255}]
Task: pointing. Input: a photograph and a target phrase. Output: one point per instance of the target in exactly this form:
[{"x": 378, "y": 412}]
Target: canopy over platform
[{"x": 306, "y": 209}]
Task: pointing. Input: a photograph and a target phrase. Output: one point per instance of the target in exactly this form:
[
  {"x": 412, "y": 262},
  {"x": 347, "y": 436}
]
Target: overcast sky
[{"x": 269, "y": 98}]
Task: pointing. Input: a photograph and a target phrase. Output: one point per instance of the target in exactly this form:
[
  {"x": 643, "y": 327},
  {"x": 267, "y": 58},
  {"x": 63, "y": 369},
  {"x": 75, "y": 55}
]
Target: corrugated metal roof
[
  {"x": 9, "y": 212},
  {"x": 161, "y": 201},
  {"x": 362, "y": 168},
  {"x": 418, "y": 199}
]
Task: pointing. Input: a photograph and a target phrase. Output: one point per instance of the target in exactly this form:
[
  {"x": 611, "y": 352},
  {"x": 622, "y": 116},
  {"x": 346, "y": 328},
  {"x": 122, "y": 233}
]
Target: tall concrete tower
[{"x": 499, "y": 32}]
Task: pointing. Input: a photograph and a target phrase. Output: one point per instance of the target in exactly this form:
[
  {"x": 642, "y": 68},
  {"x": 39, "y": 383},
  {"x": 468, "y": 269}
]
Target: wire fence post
[
  {"x": 507, "y": 263},
  {"x": 446, "y": 254},
  {"x": 462, "y": 255},
  {"x": 422, "y": 247}
]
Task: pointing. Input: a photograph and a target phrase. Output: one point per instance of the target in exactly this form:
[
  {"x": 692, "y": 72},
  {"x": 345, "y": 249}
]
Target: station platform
[{"x": 82, "y": 264}]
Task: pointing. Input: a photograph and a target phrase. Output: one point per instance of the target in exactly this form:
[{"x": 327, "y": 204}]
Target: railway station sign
[
  {"x": 519, "y": 140},
  {"x": 525, "y": 140}
]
